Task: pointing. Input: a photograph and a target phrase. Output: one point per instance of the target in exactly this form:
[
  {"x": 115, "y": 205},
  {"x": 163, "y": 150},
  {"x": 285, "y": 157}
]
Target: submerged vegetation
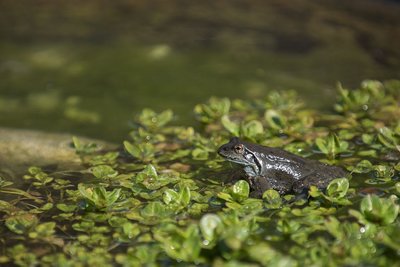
[{"x": 166, "y": 198}]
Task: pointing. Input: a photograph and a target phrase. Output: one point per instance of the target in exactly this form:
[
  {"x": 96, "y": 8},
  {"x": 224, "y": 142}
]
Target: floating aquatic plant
[{"x": 167, "y": 198}]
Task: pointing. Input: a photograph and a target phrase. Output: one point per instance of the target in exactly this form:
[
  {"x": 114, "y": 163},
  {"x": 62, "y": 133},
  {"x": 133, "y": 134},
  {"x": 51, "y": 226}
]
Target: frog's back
[{"x": 273, "y": 153}]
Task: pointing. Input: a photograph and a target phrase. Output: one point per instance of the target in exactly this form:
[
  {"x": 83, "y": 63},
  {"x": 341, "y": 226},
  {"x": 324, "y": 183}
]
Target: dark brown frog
[{"x": 268, "y": 167}]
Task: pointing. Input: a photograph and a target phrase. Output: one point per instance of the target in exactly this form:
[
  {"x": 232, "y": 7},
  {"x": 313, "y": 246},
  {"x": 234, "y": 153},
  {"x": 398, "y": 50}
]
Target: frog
[{"x": 275, "y": 168}]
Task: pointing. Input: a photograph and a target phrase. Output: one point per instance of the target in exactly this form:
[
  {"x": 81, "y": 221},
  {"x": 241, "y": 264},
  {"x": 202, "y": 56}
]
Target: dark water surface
[{"x": 88, "y": 67}]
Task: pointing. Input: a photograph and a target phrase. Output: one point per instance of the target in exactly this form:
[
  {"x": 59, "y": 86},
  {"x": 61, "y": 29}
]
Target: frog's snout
[{"x": 222, "y": 150}]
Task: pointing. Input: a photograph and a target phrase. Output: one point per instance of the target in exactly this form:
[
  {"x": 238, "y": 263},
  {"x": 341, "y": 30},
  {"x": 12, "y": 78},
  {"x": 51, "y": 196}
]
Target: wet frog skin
[{"x": 268, "y": 167}]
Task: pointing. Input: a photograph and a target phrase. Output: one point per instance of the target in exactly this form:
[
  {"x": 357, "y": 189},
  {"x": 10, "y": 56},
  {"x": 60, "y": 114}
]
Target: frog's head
[{"x": 239, "y": 152}]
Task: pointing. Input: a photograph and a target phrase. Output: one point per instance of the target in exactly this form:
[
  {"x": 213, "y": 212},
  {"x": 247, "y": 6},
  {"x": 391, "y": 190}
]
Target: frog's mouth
[
  {"x": 236, "y": 160},
  {"x": 248, "y": 160}
]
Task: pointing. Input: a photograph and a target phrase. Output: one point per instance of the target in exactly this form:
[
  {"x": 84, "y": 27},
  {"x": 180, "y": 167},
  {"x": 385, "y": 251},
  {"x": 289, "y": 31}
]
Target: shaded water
[{"x": 87, "y": 68}]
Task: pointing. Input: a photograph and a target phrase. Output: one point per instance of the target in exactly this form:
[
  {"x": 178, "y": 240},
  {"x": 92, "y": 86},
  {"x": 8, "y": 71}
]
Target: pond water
[
  {"x": 165, "y": 197},
  {"x": 88, "y": 68}
]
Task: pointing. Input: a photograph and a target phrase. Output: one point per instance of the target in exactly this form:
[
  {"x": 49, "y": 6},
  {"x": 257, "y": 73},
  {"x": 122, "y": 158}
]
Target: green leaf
[
  {"x": 131, "y": 149},
  {"x": 83, "y": 149},
  {"x": 130, "y": 230},
  {"x": 84, "y": 226},
  {"x": 397, "y": 186},
  {"x": 240, "y": 190},
  {"x": 164, "y": 117},
  {"x": 40, "y": 178},
  {"x": 331, "y": 145},
  {"x": 170, "y": 196},
  {"x": 21, "y": 256},
  {"x": 66, "y": 208},
  {"x": 213, "y": 110},
  {"x": 7, "y": 207},
  {"x": 180, "y": 244},
  {"x": 43, "y": 230},
  {"x": 314, "y": 191},
  {"x": 373, "y": 86},
  {"x": 275, "y": 120},
  {"x": 4, "y": 183},
  {"x": 322, "y": 145},
  {"x": 252, "y": 129},
  {"x": 184, "y": 196},
  {"x": 150, "y": 170},
  {"x": 384, "y": 171},
  {"x": 338, "y": 188},
  {"x": 21, "y": 223},
  {"x": 387, "y": 138},
  {"x": 232, "y": 127},
  {"x": 363, "y": 166},
  {"x": 179, "y": 199},
  {"x": 272, "y": 199},
  {"x": 210, "y": 227},
  {"x": 103, "y": 172},
  {"x": 286, "y": 226},
  {"x": 151, "y": 120},
  {"x": 16, "y": 191},
  {"x": 153, "y": 209},
  {"x": 379, "y": 210},
  {"x": 98, "y": 196},
  {"x": 225, "y": 196},
  {"x": 112, "y": 197},
  {"x": 368, "y": 138},
  {"x": 142, "y": 151},
  {"x": 151, "y": 180},
  {"x": 45, "y": 207},
  {"x": 199, "y": 154}
]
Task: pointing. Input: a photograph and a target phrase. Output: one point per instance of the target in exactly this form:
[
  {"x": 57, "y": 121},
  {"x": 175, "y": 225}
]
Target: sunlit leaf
[
  {"x": 379, "y": 210},
  {"x": 272, "y": 199},
  {"x": 338, "y": 188},
  {"x": 240, "y": 190},
  {"x": 232, "y": 127},
  {"x": 210, "y": 225}
]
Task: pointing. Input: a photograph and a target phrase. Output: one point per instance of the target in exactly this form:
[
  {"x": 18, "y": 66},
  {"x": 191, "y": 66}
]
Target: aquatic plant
[{"x": 169, "y": 199}]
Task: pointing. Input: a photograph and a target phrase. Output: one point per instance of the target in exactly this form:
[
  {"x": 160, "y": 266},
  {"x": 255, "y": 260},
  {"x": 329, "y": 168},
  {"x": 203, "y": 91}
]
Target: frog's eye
[{"x": 239, "y": 149}]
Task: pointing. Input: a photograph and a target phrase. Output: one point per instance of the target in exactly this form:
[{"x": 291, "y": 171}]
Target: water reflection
[{"x": 112, "y": 60}]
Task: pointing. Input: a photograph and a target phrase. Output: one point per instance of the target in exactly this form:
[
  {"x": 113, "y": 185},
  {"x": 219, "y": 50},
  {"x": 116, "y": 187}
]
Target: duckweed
[{"x": 167, "y": 198}]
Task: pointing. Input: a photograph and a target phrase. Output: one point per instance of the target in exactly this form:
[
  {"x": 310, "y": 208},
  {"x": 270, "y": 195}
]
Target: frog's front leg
[
  {"x": 235, "y": 176},
  {"x": 260, "y": 184}
]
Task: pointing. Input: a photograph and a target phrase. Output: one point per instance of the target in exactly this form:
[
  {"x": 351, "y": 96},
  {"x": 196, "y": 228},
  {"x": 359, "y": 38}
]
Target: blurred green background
[{"x": 87, "y": 67}]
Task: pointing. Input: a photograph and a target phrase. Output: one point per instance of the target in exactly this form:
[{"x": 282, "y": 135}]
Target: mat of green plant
[{"x": 166, "y": 198}]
